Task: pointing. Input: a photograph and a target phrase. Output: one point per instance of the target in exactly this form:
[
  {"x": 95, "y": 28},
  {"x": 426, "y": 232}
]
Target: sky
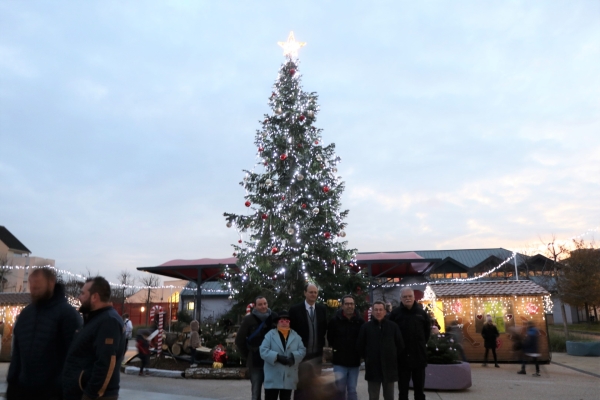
[{"x": 125, "y": 126}]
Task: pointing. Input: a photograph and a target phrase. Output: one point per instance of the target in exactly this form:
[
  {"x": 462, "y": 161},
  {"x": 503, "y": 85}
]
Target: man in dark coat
[
  {"x": 309, "y": 320},
  {"x": 42, "y": 337},
  {"x": 415, "y": 326},
  {"x": 380, "y": 343},
  {"x": 92, "y": 365},
  {"x": 251, "y": 351},
  {"x": 342, "y": 335}
]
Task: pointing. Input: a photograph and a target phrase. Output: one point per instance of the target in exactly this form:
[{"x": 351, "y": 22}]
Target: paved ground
[{"x": 565, "y": 379}]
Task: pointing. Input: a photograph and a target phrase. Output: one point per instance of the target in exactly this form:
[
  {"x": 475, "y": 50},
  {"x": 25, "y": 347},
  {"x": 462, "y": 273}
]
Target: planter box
[
  {"x": 216, "y": 373},
  {"x": 447, "y": 376},
  {"x": 583, "y": 349}
]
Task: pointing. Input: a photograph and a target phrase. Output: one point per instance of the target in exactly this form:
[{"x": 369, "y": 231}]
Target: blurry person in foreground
[{"x": 531, "y": 348}]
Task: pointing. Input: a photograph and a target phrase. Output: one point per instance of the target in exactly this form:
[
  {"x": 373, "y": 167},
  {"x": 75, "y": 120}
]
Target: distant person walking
[
  {"x": 41, "y": 339},
  {"x": 490, "y": 334},
  {"x": 531, "y": 348},
  {"x": 456, "y": 334},
  {"x": 143, "y": 348}
]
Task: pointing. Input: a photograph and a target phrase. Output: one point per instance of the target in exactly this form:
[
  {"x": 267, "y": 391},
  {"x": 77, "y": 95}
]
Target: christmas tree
[{"x": 293, "y": 231}]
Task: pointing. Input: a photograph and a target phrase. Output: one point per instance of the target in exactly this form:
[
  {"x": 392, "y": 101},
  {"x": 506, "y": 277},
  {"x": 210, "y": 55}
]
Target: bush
[
  {"x": 441, "y": 350},
  {"x": 558, "y": 343}
]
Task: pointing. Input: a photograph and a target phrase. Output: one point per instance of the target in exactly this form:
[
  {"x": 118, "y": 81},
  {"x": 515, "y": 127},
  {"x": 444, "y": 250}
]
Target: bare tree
[
  {"x": 579, "y": 278},
  {"x": 119, "y": 294},
  {"x": 556, "y": 252},
  {"x": 4, "y": 272},
  {"x": 150, "y": 281}
]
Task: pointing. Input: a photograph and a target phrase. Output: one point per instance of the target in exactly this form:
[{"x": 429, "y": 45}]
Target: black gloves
[{"x": 284, "y": 360}]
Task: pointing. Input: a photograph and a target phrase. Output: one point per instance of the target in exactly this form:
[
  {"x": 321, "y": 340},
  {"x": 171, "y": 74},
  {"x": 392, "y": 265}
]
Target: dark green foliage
[
  {"x": 441, "y": 350},
  {"x": 293, "y": 231}
]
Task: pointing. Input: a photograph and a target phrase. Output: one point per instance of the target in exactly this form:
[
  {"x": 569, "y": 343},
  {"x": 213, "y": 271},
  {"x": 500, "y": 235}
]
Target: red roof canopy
[{"x": 208, "y": 268}]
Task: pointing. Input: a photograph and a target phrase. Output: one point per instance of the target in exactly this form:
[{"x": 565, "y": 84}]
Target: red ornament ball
[
  {"x": 333, "y": 262},
  {"x": 260, "y": 149},
  {"x": 282, "y": 198},
  {"x": 303, "y": 205},
  {"x": 325, "y": 189},
  {"x": 302, "y": 118},
  {"x": 283, "y": 157},
  {"x": 299, "y": 145},
  {"x": 292, "y": 71},
  {"x": 274, "y": 250},
  {"x": 327, "y": 235},
  {"x": 247, "y": 203},
  {"x": 265, "y": 163},
  {"x": 316, "y": 142},
  {"x": 264, "y": 216},
  {"x": 240, "y": 241}
]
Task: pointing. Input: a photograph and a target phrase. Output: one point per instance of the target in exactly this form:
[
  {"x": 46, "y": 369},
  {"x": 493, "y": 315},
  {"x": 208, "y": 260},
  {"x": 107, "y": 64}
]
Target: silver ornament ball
[
  {"x": 300, "y": 177},
  {"x": 269, "y": 183},
  {"x": 343, "y": 234},
  {"x": 278, "y": 111},
  {"x": 315, "y": 211},
  {"x": 229, "y": 224}
]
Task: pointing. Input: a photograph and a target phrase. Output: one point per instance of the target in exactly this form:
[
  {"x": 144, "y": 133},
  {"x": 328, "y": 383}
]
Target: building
[
  {"x": 139, "y": 305},
  {"x": 16, "y": 259},
  {"x": 511, "y": 304}
]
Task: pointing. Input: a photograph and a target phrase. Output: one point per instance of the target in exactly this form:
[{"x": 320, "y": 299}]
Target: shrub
[{"x": 441, "y": 350}]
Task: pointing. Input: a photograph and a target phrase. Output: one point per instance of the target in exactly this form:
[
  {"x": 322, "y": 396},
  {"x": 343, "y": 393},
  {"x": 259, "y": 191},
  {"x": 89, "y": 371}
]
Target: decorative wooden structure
[
  {"x": 11, "y": 305},
  {"x": 511, "y": 304}
]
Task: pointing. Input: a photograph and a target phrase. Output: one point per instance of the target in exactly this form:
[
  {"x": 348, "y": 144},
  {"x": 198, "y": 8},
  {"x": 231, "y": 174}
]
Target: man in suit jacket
[{"x": 309, "y": 320}]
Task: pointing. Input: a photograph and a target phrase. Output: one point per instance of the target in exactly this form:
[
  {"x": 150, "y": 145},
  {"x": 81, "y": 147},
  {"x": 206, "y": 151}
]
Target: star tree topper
[{"x": 291, "y": 47}]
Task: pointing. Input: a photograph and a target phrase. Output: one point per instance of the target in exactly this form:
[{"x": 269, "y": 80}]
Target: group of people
[
  {"x": 287, "y": 358},
  {"x": 57, "y": 354}
]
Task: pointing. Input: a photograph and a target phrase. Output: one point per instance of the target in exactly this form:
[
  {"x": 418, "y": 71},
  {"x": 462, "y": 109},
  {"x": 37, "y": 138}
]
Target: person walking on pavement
[
  {"x": 41, "y": 339},
  {"x": 490, "y": 334},
  {"x": 282, "y": 350},
  {"x": 342, "y": 336},
  {"x": 415, "y": 326},
  {"x": 380, "y": 343},
  {"x": 250, "y": 336},
  {"x": 531, "y": 348},
  {"x": 92, "y": 365},
  {"x": 309, "y": 320}
]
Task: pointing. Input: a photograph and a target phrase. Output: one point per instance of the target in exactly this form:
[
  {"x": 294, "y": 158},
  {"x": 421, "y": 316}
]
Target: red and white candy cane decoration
[
  {"x": 249, "y": 308},
  {"x": 158, "y": 310}
]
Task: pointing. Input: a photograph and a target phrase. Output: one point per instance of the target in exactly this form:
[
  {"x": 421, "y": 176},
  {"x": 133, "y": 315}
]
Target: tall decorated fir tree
[{"x": 293, "y": 232}]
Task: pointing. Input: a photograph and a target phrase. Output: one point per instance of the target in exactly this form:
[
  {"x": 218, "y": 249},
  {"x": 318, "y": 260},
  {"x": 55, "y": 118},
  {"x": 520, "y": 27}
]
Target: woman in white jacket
[{"x": 282, "y": 350}]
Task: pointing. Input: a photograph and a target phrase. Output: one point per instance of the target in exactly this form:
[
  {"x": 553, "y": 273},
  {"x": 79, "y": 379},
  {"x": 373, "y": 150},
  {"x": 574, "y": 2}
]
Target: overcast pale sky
[{"x": 125, "y": 126}]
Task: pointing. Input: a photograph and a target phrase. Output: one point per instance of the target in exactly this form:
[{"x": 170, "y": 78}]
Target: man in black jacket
[
  {"x": 42, "y": 336},
  {"x": 92, "y": 366},
  {"x": 309, "y": 320},
  {"x": 415, "y": 325},
  {"x": 250, "y": 351},
  {"x": 342, "y": 335},
  {"x": 380, "y": 343}
]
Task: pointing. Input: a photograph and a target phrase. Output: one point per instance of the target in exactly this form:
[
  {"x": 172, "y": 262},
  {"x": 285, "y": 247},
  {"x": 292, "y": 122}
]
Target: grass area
[
  {"x": 584, "y": 327},
  {"x": 558, "y": 343}
]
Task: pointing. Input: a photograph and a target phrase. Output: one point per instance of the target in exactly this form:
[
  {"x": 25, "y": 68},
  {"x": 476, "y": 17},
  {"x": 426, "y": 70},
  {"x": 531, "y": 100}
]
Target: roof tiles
[{"x": 501, "y": 288}]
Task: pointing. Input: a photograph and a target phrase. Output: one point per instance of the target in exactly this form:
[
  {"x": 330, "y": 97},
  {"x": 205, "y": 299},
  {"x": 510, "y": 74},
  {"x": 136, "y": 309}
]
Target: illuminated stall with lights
[
  {"x": 11, "y": 305},
  {"x": 511, "y": 304}
]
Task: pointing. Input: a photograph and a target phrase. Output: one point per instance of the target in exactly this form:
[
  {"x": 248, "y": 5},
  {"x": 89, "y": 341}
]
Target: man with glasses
[
  {"x": 415, "y": 326},
  {"x": 342, "y": 335}
]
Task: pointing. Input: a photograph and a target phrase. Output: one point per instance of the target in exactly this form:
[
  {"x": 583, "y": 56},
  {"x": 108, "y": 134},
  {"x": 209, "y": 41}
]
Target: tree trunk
[
  {"x": 176, "y": 349},
  {"x": 587, "y": 313},
  {"x": 564, "y": 318}
]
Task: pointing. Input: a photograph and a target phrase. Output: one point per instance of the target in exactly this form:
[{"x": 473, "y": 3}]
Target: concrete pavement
[{"x": 567, "y": 377}]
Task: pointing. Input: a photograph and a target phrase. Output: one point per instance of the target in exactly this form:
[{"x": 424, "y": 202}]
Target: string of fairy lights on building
[{"x": 280, "y": 271}]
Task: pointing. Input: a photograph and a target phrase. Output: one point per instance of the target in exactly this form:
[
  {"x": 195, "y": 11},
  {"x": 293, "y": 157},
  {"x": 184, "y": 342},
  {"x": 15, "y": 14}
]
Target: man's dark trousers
[{"x": 418, "y": 378}]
